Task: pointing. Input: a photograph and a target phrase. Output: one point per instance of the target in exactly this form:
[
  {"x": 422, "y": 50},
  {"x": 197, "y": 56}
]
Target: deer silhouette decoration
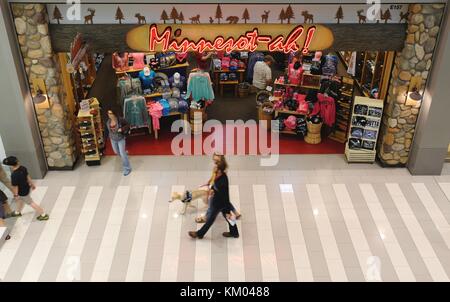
[
  {"x": 141, "y": 19},
  {"x": 307, "y": 17},
  {"x": 233, "y": 19},
  {"x": 89, "y": 18},
  {"x": 362, "y": 18},
  {"x": 211, "y": 20},
  {"x": 265, "y": 16},
  {"x": 195, "y": 19}
]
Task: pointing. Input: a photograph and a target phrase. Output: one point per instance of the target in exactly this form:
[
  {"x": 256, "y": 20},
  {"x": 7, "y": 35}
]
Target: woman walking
[
  {"x": 220, "y": 203},
  {"x": 118, "y": 129}
]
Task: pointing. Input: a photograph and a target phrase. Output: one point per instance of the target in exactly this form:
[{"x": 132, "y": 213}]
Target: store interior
[{"x": 312, "y": 95}]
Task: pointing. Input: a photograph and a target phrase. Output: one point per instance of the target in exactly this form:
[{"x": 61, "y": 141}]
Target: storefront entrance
[{"x": 344, "y": 55}]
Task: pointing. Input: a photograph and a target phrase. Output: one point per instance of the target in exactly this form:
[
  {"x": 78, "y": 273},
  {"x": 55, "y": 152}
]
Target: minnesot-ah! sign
[{"x": 225, "y": 37}]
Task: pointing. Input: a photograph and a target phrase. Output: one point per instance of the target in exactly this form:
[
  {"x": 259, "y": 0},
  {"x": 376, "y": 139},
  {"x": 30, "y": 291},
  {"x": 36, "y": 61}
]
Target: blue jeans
[{"x": 119, "y": 149}]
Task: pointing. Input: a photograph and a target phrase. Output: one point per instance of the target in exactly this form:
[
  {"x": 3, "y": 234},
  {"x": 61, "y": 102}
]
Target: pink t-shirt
[{"x": 138, "y": 60}]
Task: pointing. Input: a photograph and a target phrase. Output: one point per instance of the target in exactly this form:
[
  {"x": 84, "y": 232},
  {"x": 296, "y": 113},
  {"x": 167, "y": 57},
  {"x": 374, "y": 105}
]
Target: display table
[
  {"x": 216, "y": 78},
  {"x": 184, "y": 116},
  {"x": 287, "y": 112},
  {"x": 233, "y": 83}
]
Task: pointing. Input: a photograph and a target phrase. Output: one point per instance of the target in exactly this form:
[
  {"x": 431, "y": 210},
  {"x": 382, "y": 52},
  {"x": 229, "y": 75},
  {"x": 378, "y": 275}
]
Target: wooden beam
[{"x": 109, "y": 38}]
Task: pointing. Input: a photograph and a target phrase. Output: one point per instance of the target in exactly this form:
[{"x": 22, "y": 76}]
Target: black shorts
[{"x": 3, "y": 197}]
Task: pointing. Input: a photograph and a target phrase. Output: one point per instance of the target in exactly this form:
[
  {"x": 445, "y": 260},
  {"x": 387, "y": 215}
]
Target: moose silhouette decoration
[
  {"x": 141, "y": 19},
  {"x": 195, "y": 19},
  {"x": 404, "y": 16},
  {"x": 265, "y": 17},
  {"x": 89, "y": 18},
  {"x": 362, "y": 18},
  {"x": 307, "y": 17}
]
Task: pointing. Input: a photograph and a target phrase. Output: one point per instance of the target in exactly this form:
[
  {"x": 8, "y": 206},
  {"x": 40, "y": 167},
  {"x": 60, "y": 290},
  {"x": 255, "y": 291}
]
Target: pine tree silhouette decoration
[
  {"x": 282, "y": 15},
  {"x": 181, "y": 17},
  {"x": 164, "y": 16},
  {"x": 57, "y": 14},
  {"x": 174, "y": 15},
  {"x": 218, "y": 13},
  {"x": 119, "y": 15},
  {"x": 289, "y": 14},
  {"x": 245, "y": 16},
  {"x": 339, "y": 14}
]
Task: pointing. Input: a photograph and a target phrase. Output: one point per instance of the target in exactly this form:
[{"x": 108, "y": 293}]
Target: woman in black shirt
[{"x": 220, "y": 202}]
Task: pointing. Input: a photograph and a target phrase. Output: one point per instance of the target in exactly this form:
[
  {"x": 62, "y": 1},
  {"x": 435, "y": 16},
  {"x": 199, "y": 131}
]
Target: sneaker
[
  {"x": 7, "y": 237},
  {"x": 126, "y": 173},
  {"x": 195, "y": 235},
  {"x": 43, "y": 217},
  {"x": 229, "y": 235},
  {"x": 15, "y": 214}
]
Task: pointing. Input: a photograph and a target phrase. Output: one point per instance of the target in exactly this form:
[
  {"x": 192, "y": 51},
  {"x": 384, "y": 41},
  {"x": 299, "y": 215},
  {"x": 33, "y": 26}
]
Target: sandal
[
  {"x": 200, "y": 219},
  {"x": 238, "y": 216}
]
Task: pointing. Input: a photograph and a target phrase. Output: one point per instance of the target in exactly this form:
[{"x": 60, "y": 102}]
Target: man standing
[{"x": 262, "y": 74}]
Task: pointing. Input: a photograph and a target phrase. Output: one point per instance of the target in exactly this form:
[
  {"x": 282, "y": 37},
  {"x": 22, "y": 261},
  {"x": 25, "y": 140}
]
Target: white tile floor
[{"x": 311, "y": 218}]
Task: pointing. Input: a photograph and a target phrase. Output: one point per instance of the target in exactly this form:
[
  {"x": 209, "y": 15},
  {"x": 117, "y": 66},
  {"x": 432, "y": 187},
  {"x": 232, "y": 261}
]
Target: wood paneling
[{"x": 112, "y": 37}]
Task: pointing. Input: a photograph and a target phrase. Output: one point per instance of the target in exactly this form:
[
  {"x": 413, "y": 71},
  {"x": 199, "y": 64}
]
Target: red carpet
[{"x": 148, "y": 145}]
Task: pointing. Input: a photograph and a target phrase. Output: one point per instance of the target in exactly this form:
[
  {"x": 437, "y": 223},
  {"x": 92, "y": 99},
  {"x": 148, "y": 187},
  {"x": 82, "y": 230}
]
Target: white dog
[{"x": 187, "y": 198}]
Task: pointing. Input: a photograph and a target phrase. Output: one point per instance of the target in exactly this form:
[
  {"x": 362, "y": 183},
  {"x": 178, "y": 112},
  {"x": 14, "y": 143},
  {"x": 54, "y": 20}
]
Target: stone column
[
  {"x": 399, "y": 120},
  {"x": 31, "y": 22}
]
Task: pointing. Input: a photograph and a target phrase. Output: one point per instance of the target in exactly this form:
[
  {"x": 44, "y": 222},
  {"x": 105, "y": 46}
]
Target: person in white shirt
[{"x": 262, "y": 74}]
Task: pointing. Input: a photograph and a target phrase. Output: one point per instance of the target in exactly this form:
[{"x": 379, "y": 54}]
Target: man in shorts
[
  {"x": 7, "y": 183},
  {"x": 22, "y": 186},
  {"x": 3, "y": 199}
]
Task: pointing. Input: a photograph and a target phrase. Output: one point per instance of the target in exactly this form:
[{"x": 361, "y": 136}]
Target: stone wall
[
  {"x": 31, "y": 21},
  {"x": 400, "y": 117}
]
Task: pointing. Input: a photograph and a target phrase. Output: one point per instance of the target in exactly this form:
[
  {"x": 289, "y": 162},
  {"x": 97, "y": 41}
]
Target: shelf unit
[
  {"x": 131, "y": 70},
  {"x": 369, "y": 110},
  {"x": 343, "y": 110},
  {"x": 373, "y": 69},
  {"x": 90, "y": 123}
]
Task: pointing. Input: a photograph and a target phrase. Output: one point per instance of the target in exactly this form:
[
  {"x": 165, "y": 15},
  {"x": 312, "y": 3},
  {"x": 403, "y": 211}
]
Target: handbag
[{"x": 123, "y": 124}]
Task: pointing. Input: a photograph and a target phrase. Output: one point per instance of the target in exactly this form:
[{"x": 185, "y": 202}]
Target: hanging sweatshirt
[
  {"x": 136, "y": 112},
  {"x": 199, "y": 87}
]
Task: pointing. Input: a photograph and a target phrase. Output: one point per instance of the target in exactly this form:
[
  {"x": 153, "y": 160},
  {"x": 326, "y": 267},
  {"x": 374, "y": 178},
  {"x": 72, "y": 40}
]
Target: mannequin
[
  {"x": 138, "y": 60},
  {"x": 120, "y": 61},
  {"x": 146, "y": 76},
  {"x": 177, "y": 81}
]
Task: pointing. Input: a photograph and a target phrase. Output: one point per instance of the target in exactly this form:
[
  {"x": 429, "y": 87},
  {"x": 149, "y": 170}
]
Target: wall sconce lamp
[
  {"x": 40, "y": 98},
  {"x": 413, "y": 96}
]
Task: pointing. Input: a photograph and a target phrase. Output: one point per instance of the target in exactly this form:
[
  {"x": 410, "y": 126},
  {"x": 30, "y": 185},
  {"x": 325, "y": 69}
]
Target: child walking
[{"x": 22, "y": 186}]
